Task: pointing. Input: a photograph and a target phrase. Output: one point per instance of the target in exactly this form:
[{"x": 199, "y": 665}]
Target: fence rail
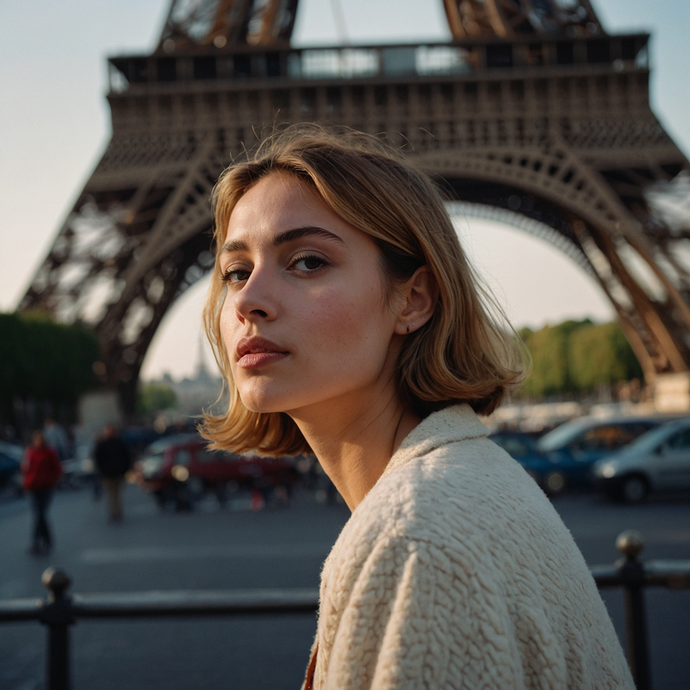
[{"x": 59, "y": 610}]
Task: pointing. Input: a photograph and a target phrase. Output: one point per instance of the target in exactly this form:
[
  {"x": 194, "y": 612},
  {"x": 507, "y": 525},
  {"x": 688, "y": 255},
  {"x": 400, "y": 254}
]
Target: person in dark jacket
[
  {"x": 113, "y": 461},
  {"x": 41, "y": 469}
]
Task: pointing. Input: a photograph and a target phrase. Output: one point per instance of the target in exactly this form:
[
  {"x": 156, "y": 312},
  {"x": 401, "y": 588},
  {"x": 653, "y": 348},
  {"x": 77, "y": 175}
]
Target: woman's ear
[{"x": 420, "y": 295}]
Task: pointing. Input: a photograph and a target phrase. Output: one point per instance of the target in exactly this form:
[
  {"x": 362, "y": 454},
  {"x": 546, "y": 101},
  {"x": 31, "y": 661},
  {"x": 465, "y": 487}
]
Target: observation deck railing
[{"x": 400, "y": 61}]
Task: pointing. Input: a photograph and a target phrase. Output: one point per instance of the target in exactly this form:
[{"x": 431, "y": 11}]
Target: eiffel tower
[{"x": 531, "y": 113}]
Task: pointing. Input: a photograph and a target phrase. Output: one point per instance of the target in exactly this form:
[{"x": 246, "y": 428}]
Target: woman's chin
[
  {"x": 273, "y": 399},
  {"x": 261, "y": 404}
]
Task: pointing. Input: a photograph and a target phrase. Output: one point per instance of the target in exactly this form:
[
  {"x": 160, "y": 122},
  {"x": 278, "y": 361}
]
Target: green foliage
[
  {"x": 155, "y": 397},
  {"x": 600, "y": 355},
  {"x": 576, "y": 357},
  {"x": 44, "y": 361}
]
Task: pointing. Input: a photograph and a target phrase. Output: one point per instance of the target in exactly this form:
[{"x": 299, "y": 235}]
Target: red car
[{"x": 182, "y": 469}]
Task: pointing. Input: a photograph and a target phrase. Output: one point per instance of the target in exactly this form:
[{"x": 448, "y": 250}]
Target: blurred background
[
  {"x": 198, "y": 520},
  {"x": 55, "y": 124}
]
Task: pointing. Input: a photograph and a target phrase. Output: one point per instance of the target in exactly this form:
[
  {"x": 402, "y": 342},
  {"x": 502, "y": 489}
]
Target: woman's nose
[{"x": 257, "y": 298}]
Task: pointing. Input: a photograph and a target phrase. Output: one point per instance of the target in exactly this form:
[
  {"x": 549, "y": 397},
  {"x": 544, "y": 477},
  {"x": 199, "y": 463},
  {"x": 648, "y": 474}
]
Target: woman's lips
[
  {"x": 257, "y": 352},
  {"x": 259, "y": 359}
]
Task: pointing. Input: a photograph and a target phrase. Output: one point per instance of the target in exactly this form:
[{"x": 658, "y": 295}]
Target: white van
[{"x": 657, "y": 461}]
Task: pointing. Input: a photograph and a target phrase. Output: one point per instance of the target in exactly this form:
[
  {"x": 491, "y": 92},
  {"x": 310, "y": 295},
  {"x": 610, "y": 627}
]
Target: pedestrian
[
  {"x": 347, "y": 322},
  {"x": 41, "y": 470},
  {"x": 113, "y": 460},
  {"x": 56, "y": 437}
]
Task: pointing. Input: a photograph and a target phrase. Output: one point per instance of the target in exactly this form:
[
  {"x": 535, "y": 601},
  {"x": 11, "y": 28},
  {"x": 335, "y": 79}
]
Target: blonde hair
[{"x": 462, "y": 354}]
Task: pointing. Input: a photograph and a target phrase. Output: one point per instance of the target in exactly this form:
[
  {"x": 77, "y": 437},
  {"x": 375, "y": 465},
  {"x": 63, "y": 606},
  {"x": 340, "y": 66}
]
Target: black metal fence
[{"x": 59, "y": 610}]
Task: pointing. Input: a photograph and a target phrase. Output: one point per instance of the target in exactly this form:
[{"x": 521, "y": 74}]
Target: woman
[
  {"x": 41, "y": 469},
  {"x": 347, "y": 322}
]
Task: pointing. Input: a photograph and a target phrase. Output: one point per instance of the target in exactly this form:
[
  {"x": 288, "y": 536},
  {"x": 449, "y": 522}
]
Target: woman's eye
[
  {"x": 308, "y": 263},
  {"x": 235, "y": 275}
]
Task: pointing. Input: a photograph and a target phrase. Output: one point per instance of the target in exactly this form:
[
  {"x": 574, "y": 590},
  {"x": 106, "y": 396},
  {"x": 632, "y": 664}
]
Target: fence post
[
  {"x": 57, "y": 615},
  {"x": 631, "y": 544}
]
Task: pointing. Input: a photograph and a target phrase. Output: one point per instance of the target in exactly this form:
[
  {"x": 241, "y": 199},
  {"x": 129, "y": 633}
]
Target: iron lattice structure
[{"x": 532, "y": 109}]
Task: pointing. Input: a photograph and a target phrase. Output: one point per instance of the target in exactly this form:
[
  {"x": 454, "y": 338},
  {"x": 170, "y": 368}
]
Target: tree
[
  {"x": 577, "y": 356},
  {"x": 551, "y": 373},
  {"x": 44, "y": 362},
  {"x": 155, "y": 397},
  {"x": 600, "y": 354}
]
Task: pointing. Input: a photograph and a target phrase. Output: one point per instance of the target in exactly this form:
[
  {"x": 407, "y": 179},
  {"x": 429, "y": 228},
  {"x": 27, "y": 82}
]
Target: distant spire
[{"x": 202, "y": 372}]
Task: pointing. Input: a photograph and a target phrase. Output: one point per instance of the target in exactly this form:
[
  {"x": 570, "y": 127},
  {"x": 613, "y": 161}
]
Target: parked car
[
  {"x": 10, "y": 461},
  {"x": 657, "y": 461},
  {"x": 79, "y": 471},
  {"x": 578, "y": 444},
  {"x": 544, "y": 468},
  {"x": 181, "y": 469}
]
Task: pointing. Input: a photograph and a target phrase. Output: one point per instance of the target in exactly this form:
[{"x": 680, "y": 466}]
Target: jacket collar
[{"x": 454, "y": 423}]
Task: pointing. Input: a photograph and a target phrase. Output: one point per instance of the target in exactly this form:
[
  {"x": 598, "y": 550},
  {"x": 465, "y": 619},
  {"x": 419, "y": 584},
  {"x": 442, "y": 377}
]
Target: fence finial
[
  {"x": 56, "y": 581},
  {"x": 630, "y": 543}
]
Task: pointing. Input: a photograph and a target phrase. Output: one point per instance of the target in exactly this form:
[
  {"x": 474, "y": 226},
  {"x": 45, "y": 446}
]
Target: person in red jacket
[{"x": 41, "y": 469}]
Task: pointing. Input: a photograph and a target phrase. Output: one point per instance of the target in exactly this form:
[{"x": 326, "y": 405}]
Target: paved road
[{"x": 239, "y": 549}]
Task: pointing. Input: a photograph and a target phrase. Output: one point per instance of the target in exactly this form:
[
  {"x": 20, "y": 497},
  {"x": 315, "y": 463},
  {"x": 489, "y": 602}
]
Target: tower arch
[
  {"x": 536, "y": 109},
  {"x": 593, "y": 229}
]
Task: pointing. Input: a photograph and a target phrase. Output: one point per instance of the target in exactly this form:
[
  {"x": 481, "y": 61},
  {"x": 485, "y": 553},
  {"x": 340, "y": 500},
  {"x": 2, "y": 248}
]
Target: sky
[{"x": 55, "y": 125}]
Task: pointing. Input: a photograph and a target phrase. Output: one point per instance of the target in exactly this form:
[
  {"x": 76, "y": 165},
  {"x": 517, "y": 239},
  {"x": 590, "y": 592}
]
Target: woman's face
[{"x": 305, "y": 321}]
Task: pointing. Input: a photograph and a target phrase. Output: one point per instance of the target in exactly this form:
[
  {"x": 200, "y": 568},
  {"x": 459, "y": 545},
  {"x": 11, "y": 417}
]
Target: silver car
[{"x": 657, "y": 461}]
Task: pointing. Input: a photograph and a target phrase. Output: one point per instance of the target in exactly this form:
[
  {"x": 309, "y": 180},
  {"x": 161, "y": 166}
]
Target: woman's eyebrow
[
  {"x": 284, "y": 237},
  {"x": 233, "y": 246},
  {"x": 297, "y": 233}
]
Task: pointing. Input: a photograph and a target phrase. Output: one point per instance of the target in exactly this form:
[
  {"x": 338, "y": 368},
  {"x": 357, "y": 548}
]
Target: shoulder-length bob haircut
[{"x": 465, "y": 353}]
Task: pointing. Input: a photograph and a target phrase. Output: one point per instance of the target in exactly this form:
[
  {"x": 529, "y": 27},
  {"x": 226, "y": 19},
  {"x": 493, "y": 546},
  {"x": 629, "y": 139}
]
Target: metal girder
[
  {"x": 128, "y": 251},
  {"x": 227, "y": 23},
  {"x": 555, "y": 129},
  {"x": 510, "y": 18},
  {"x": 594, "y": 229}
]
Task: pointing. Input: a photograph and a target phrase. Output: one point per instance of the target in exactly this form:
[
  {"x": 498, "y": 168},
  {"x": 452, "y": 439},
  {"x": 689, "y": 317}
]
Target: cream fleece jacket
[{"x": 455, "y": 571}]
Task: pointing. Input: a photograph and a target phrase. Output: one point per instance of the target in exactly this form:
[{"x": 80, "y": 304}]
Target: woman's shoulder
[
  {"x": 452, "y": 484},
  {"x": 439, "y": 430},
  {"x": 464, "y": 523},
  {"x": 464, "y": 495},
  {"x": 449, "y": 467}
]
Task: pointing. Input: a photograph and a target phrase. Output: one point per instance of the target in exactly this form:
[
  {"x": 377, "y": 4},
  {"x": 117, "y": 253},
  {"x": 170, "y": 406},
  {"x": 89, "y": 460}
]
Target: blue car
[
  {"x": 10, "y": 460},
  {"x": 579, "y": 443},
  {"x": 544, "y": 468}
]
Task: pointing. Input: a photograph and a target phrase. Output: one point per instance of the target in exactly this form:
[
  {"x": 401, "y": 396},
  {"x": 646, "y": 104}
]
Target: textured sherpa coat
[{"x": 456, "y": 572}]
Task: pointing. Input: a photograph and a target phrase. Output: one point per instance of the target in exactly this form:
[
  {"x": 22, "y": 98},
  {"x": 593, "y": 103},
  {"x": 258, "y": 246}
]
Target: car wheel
[
  {"x": 224, "y": 490},
  {"x": 164, "y": 497},
  {"x": 634, "y": 489},
  {"x": 16, "y": 486},
  {"x": 554, "y": 483},
  {"x": 196, "y": 488}
]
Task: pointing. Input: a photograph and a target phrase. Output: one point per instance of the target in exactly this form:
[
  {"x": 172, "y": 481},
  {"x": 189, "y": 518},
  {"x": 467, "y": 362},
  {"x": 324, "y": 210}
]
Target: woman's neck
[{"x": 354, "y": 449}]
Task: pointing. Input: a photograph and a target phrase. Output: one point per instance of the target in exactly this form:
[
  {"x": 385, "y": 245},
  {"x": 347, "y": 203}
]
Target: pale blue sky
[{"x": 54, "y": 125}]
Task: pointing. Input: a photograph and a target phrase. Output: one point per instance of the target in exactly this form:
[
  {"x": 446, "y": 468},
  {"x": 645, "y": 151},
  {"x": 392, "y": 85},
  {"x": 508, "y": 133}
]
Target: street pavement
[{"x": 237, "y": 548}]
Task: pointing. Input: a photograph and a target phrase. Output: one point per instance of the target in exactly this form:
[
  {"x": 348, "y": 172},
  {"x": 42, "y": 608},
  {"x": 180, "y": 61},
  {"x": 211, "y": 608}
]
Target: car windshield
[
  {"x": 164, "y": 443},
  {"x": 11, "y": 450},
  {"x": 649, "y": 441},
  {"x": 156, "y": 456},
  {"x": 561, "y": 436},
  {"x": 155, "y": 459},
  {"x": 595, "y": 436}
]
